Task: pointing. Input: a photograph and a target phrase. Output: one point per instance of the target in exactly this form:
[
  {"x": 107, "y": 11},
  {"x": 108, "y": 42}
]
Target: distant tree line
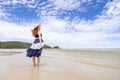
[{"x": 19, "y": 45}]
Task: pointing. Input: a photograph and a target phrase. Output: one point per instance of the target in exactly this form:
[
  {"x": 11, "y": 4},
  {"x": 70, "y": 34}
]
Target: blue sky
[{"x": 66, "y": 23}]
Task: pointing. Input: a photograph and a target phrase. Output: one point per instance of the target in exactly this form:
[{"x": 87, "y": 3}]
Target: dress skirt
[{"x": 34, "y": 50}]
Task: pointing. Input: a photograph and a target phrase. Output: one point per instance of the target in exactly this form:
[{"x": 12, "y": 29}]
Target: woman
[{"x": 37, "y": 46}]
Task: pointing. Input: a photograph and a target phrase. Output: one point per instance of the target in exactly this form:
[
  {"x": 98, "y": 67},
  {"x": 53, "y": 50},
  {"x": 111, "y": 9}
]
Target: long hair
[{"x": 35, "y": 31}]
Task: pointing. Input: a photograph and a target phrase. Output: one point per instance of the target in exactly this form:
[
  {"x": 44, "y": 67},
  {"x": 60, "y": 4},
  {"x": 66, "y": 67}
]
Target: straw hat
[{"x": 35, "y": 26}]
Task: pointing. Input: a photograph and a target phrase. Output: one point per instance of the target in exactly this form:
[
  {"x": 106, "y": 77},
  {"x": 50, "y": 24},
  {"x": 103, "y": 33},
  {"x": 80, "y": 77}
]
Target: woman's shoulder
[{"x": 38, "y": 34}]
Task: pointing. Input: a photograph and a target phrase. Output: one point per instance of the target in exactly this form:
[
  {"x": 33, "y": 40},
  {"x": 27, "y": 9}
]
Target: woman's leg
[
  {"x": 33, "y": 60},
  {"x": 38, "y": 61}
]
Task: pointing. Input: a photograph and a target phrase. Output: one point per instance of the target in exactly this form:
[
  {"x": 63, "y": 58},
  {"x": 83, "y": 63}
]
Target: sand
[{"x": 56, "y": 66}]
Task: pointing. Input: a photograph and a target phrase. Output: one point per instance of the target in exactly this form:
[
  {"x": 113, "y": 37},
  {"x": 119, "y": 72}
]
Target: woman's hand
[{"x": 41, "y": 46}]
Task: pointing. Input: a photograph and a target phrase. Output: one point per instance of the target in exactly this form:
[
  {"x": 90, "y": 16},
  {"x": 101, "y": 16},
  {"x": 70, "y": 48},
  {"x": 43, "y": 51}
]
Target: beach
[{"x": 61, "y": 64}]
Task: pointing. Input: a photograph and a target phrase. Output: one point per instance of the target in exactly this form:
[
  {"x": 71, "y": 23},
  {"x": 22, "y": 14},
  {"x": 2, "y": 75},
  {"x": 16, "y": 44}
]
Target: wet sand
[{"x": 57, "y": 65}]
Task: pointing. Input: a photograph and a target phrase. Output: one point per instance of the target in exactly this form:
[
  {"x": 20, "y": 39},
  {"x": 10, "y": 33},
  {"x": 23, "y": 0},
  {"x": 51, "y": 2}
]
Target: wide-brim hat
[{"x": 35, "y": 26}]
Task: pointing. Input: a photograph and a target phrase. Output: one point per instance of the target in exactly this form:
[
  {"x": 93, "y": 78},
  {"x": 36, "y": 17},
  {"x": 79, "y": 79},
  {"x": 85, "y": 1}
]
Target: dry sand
[{"x": 57, "y": 66}]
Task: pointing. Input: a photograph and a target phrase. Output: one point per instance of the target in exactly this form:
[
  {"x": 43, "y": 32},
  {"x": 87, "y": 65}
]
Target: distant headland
[{"x": 20, "y": 45}]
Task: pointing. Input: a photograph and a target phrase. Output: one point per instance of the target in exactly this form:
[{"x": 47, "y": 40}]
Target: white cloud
[
  {"x": 3, "y": 14},
  {"x": 28, "y": 3},
  {"x": 9, "y": 2},
  {"x": 66, "y": 4},
  {"x": 113, "y": 8},
  {"x": 59, "y": 7},
  {"x": 109, "y": 20},
  {"x": 70, "y": 4},
  {"x": 79, "y": 5},
  {"x": 10, "y": 31}
]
